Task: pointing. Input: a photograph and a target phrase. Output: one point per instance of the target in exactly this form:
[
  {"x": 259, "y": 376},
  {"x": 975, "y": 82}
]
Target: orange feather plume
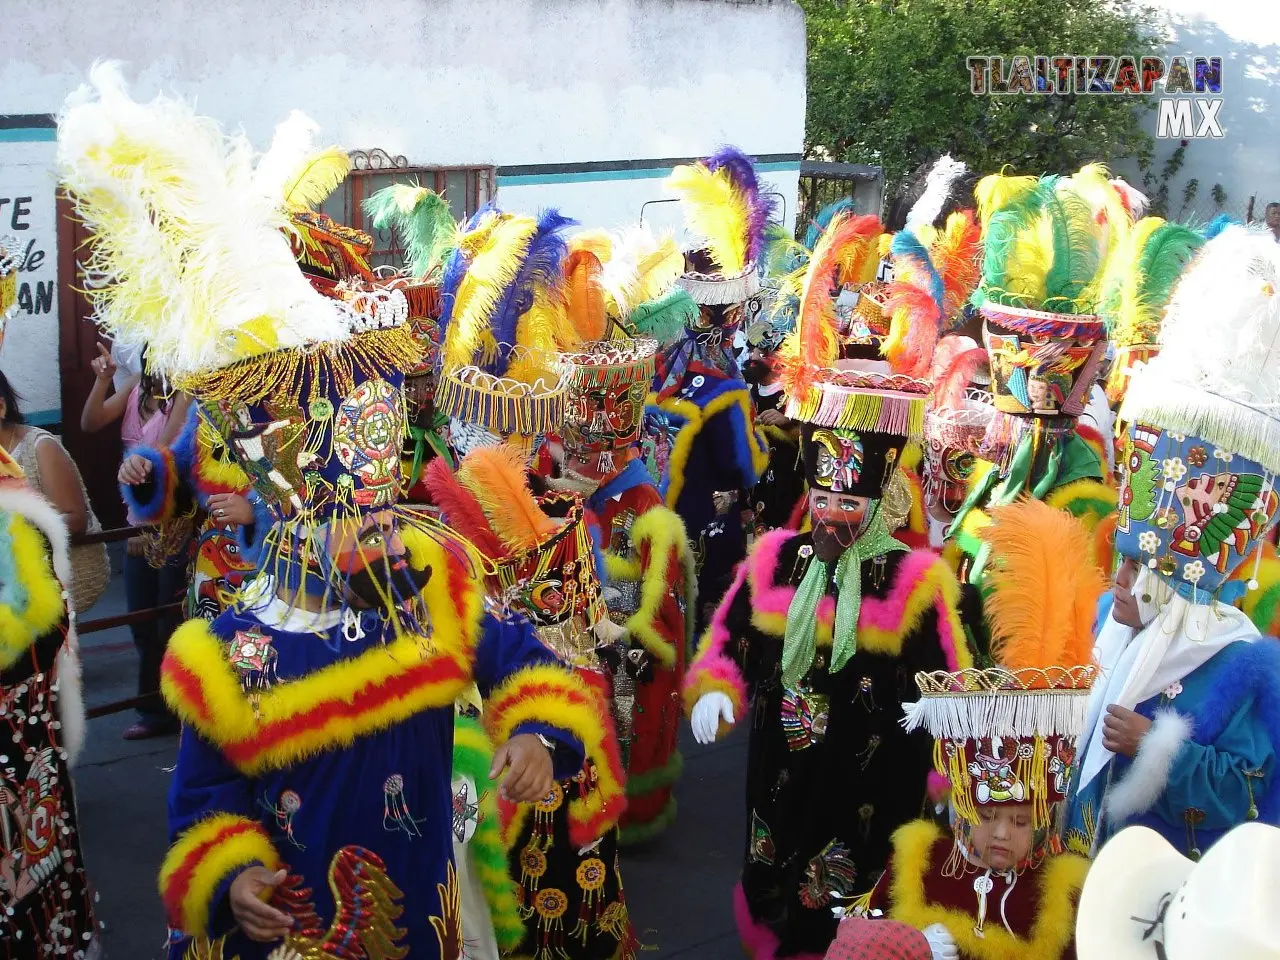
[
  {"x": 1043, "y": 587},
  {"x": 461, "y": 510},
  {"x": 496, "y": 478},
  {"x": 957, "y": 256},
  {"x": 584, "y": 296}
]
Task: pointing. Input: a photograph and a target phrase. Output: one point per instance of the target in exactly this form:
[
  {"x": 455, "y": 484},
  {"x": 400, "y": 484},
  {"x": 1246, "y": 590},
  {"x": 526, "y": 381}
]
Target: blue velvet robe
[{"x": 384, "y": 800}]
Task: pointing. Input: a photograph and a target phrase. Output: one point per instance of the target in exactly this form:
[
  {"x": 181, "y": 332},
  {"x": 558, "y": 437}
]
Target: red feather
[
  {"x": 955, "y": 370},
  {"x": 914, "y": 327},
  {"x": 461, "y": 509}
]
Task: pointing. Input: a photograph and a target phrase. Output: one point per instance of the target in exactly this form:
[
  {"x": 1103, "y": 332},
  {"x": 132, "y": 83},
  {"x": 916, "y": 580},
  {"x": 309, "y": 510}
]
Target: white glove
[
  {"x": 710, "y": 709},
  {"x": 941, "y": 942}
]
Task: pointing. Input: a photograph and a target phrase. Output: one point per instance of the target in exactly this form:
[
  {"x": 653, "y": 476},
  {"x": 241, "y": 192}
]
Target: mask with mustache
[{"x": 391, "y": 577}]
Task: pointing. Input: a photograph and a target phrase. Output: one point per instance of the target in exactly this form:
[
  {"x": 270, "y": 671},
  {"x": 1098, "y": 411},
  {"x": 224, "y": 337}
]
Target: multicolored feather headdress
[
  {"x": 502, "y": 320},
  {"x": 1199, "y": 465},
  {"x": 1006, "y": 734},
  {"x": 1136, "y": 288},
  {"x": 10, "y": 251},
  {"x": 725, "y": 206}
]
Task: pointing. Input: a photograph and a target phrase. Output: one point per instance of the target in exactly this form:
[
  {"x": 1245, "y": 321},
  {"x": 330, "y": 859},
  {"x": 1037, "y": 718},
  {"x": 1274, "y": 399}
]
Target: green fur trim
[
  {"x": 643, "y": 832},
  {"x": 657, "y": 778},
  {"x": 472, "y": 757}
]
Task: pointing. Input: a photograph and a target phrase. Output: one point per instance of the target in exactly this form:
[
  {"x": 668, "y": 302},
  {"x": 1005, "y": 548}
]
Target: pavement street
[{"x": 678, "y": 887}]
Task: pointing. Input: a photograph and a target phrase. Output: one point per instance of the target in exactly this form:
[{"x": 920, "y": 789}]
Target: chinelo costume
[
  {"x": 504, "y": 385},
  {"x": 828, "y": 647},
  {"x": 563, "y": 850},
  {"x": 46, "y": 906},
  {"x": 318, "y": 709},
  {"x": 1045, "y": 244},
  {"x": 1005, "y": 737},
  {"x": 648, "y": 561},
  {"x": 1197, "y": 501},
  {"x": 700, "y": 411}
]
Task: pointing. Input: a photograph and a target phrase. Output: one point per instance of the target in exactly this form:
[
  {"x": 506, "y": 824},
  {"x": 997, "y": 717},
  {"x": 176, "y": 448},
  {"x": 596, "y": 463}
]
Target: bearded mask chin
[{"x": 394, "y": 579}]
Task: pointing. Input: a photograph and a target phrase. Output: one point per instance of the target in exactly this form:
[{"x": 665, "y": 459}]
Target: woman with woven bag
[{"x": 52, "y": 472}]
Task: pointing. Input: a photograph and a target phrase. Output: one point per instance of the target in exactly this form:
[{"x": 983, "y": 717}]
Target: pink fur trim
[
  {"x": 758, "y": 941},
  {"x": 766, "y": 595},
  {"x": 717, "y": 635},
  {"x": 885, "y": 613},
  {"x": 937, "y": 786},
  {"x": 712, "y": 666}
]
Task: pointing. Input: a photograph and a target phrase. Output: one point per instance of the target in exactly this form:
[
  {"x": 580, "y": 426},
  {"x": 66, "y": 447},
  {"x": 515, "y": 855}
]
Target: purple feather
[
  {"x": 742, "y": 171},
  {"x": 455, "y": 268},
  {"x": 543, "y": 266}
]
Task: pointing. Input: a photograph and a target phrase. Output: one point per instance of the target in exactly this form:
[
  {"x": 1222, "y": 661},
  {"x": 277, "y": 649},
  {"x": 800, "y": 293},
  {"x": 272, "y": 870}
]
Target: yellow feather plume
[
  {"x": 716, "y": 211},
  {"x": 497, "y": 260},
  {"x": 496, "y": 478},
  {"x": 997, "y": 191},
  {"x": 322, "y": 174},
  {"x": 1043, "y": 587},
  {"x": 1127, "y": 313},
  {"x": 1030, "y": 260}
]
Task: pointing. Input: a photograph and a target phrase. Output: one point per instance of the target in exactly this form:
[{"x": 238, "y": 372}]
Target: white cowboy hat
[{"x": 1143, "y": 900}]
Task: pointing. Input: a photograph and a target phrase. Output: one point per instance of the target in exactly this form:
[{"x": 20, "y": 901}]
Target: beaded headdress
[
  {"x": 1007, "y": 733},
  {"x": 1199, "y": 463}
]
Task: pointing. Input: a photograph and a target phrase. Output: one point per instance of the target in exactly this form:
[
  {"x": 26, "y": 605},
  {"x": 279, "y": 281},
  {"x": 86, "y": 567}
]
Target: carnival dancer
[
  {"x": 1181, "y": 737},
  {"x": 1145, "y": 900},
  {"x": 1045, "y": 244},
  {"x": 827, "y": 628},
  {"x": 310, "y": 803},
  {"x": 999, "y": 884},
  {"x": 700, "y": 412},
  {"x": 505, "y": 388},
  {"x": 46, "y": 905},
  {"x": 648, "y": 561}
]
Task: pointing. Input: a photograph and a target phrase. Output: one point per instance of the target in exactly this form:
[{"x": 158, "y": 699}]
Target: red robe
[{"x": 649, "y": 562}]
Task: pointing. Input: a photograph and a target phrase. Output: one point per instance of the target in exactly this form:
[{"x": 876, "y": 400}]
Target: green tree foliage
[{"x": 888, "y": 84}]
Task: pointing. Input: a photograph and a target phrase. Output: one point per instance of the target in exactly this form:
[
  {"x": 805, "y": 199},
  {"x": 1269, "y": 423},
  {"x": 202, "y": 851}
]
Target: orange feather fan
[
  {"x": 496, "y": 478},
  {"x": 584, "y": 296},
  {"x": 461, "y": 510},
  {"x": 957, "y": 256},
  {"x": 1043, "y": 587}
]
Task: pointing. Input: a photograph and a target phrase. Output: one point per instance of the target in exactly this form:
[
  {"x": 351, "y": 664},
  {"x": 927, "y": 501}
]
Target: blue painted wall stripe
[{"x": 27, "y": 134}]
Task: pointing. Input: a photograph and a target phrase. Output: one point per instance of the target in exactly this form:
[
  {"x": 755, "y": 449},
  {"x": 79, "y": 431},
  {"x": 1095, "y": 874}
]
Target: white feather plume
[
  {"x": 1134, "y": 199},
  {"x": 937, "y": 187},
  {"x": 292, "y": 144},
  {"x": 189, "y": 260},
  {"x": 642, "y": 266},
  {"x": 1217, "y": 375}
]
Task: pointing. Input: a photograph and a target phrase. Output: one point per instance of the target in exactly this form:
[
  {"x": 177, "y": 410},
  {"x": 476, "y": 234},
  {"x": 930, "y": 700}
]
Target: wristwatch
[{"x": 547, "y": 742}]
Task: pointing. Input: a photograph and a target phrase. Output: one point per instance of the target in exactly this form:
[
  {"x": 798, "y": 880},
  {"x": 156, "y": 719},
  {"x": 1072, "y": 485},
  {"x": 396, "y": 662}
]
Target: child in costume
[
  {"x": 309, "y": 808},
  {"x": 648, "y": 561},
  {"x": 700, "y": 413},
  {"x": 46, "y": 906},
  {"x": 1045, "y": 244},
  {"x": 825, "y": 629},
  {"x": 1182, "y": 734},
  {"x": 998, "y": 885}
]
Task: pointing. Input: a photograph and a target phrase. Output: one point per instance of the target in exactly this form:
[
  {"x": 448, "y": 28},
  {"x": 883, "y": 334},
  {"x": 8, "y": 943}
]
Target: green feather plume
[
  {"x": 1005, "y": 224},
  {"x": 1077, "y": 251},
  {"x": 422, "y": 221},
  {"x": 665, "y": 318}
]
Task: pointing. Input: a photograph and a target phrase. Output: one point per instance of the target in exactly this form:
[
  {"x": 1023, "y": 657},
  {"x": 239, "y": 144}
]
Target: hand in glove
[
  {"x": 710, "y": 709},
  {"x": 941, "y": 942}
]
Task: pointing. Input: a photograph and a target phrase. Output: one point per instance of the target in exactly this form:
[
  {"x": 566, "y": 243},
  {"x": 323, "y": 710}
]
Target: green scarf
[{"x": 799, "y": 644}]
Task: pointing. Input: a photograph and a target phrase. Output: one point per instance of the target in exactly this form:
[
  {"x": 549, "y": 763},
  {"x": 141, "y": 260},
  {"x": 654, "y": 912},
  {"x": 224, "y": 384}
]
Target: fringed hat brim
[
  {"x": 714, "y": 291},
  {"x": 501, "y": 405}
]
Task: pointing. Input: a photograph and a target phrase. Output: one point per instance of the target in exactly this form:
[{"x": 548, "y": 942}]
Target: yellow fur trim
[
  {"x": 660, "y": 530},
  {"x": 1059, "y": 877},
  {"x": 332, "y": 706},
  {"x": 696, "y": 418},
  {"x": 202, "y": 858},
  {"x": 42, "y": 607},
  {"x": 219, "y": 471},
  {"x": 552, "y": 695},
  {"x": 1086, "y": 500}
]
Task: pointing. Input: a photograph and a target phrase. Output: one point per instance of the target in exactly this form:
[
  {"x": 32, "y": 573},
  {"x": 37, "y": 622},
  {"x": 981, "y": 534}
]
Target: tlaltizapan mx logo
[{"x": 1189, "y": 87}]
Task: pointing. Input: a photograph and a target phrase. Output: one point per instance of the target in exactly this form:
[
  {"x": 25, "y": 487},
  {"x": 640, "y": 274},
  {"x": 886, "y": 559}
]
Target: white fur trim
[
  {"x": 70, "y": 701},
  {"x": 31, "y": 506},
  {"x": 1147, "y": 778}
]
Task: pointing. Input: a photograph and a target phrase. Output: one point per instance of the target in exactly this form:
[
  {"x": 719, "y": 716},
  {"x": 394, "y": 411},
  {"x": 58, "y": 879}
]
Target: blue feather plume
[
  {"x": 543, "y": 267},
  {"x": 818, "y": 226},
  {"x": 1216, "y": 226},
  {"x": 455, "y": 268},
  {"x": 907, "y": 244}
]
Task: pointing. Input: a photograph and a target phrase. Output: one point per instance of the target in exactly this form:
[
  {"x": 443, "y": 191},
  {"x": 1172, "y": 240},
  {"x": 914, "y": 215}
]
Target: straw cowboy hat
[{"x": 1145, "y": 901}]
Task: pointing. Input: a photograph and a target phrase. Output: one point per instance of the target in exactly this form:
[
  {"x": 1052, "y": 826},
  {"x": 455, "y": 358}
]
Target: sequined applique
[
  {"x": 466, "y": 810},
  {"x": 762, "y": 848},
  {"x": 448, "y": 926},
  {"x": 590, "y": 876},
  {"x": 551, "y": 905},
  {"x": 284, "y": 810},
  {"x": 829, "y": 875},
  {"x": 252, "y": 655},
  {"x": 804, "y": 718},
  {"x": 395, "y": 809},
  {"x": 367, "y": 905}
]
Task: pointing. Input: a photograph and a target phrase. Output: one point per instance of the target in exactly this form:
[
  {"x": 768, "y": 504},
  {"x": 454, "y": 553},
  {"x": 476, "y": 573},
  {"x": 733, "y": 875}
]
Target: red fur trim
[{"x": 758, "y": 941}]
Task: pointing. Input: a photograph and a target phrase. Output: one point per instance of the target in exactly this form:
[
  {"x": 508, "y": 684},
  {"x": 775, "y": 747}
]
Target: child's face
[{"x": 1003, "y": 836}]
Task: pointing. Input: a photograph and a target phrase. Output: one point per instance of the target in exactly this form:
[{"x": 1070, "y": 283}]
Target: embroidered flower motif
[
  {"x": 1174, "y": 468},
  {"x": 1148, "y": 541},
  {"x": 1179, "y": 437},
  {"x": 1197, "y": 456},
  {"x": 1173, "y": 689},
  {"x": 1193, "y": 571},
  {"x": 1226, "y": 456},
  {"x": 1168, "y": 566}
]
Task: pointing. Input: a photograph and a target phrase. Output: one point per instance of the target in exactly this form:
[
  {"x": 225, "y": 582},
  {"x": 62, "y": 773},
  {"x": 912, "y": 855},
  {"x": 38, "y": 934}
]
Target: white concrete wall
[
  {"x": 448, "y": 82},
  {"x": 1246, "y": 161}
]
